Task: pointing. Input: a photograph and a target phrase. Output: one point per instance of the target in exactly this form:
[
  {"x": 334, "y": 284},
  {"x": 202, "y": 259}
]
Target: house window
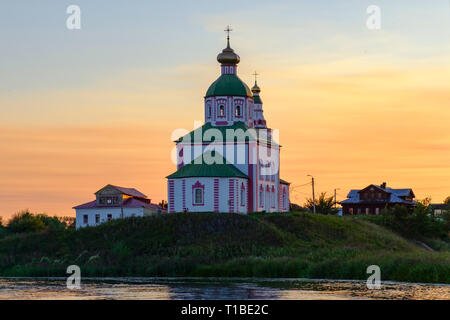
[
  {"x": 238, "y": 111},
  {"x": 367, "y": 210},
  {"x": 109, "y": 217},
  {"x": 377, "y": 211},
  {"x": 359, "y": 210},
  {"x": 242, "y": 195},
  {"x": 379, "y": 195},
  {"x": 97, "y": 218},
  {"x": 221, "y": 111},
  {"x": 350, "y": 211},
  {"x": 85, "y": 218}
]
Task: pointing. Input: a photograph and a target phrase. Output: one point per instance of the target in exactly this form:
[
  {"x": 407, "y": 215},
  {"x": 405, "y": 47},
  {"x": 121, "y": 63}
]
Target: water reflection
[{"x": 213, "y": 288}]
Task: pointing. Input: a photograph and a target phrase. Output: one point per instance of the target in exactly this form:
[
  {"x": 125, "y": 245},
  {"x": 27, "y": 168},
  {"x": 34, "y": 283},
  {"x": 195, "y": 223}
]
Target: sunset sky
[{"x": 83, "y": 108}]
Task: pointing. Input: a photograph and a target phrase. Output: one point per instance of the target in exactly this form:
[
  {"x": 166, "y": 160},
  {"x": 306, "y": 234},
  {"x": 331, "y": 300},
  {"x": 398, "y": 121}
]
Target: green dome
[{"x": 228, "y": 85}]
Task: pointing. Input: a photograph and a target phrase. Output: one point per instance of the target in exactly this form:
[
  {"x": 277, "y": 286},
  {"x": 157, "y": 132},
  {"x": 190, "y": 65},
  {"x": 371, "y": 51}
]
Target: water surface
[{"x": 214, "y": 288}]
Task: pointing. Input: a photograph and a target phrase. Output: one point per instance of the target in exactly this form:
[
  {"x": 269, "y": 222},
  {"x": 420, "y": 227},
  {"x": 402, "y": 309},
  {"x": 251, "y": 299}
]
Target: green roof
[
  {"x": 208, "y": 125},
  {"x": 225, "y": 170},
  {"x": 254, "y": 133},
  {"x": 229, "y": 85},
  {"x": 257, "y": 99}
]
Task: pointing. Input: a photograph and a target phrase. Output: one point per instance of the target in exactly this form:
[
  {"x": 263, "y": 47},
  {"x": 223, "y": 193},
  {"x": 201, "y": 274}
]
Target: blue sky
[{"x": 39, "y": 52}]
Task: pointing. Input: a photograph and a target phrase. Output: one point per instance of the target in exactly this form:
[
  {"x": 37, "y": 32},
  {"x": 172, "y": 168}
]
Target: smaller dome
[
  {"x": 256, "y": 89},
  {"x": 228, "y": 56}
]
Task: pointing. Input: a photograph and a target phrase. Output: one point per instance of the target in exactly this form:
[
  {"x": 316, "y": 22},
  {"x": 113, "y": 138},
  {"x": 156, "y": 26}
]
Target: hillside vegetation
[{"x": 225, "y": 245}]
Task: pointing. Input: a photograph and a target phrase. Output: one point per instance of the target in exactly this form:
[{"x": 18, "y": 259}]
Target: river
[{"x": 214, "y": 288}]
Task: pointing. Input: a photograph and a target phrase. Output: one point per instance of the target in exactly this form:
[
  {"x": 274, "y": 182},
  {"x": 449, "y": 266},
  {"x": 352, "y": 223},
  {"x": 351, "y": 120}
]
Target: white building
[
  {"x": 113, "y": 202},
  {"x": 231, "y": 163}
]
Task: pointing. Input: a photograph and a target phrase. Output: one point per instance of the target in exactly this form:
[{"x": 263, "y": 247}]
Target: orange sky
[{"x": 347, "y": 128}]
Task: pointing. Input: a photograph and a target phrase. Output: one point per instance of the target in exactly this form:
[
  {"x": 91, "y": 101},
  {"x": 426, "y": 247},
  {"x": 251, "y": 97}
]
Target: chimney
[{"x": 383, "y": 185}]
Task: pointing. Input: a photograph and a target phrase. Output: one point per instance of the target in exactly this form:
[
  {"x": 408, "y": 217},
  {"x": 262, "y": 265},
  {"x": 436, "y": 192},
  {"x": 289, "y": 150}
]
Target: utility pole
[
  {"x": 335, "y": 202},
  {"x": 314, "y": 197}
]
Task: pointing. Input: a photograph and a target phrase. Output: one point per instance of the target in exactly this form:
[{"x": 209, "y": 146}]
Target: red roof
[
  {"x": 128, "y": 191},
  {"x": 128, "y": 203}
]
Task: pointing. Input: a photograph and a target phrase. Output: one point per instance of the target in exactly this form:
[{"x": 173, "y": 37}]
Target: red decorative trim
[
  {"x": 171, "y": 196},
  {"x": 242, "y": 193},
  {"x": 231, "y": 195},
  {"x": 216, "y": 195}
]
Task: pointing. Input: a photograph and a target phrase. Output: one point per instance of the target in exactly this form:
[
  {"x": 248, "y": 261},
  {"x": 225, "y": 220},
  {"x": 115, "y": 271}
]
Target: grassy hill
[{"x": 225, "y": 245}]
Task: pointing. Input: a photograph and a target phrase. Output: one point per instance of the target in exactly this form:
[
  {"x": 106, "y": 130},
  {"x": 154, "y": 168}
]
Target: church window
[
  {"x": 261, "y": 196},
  {"x": 198, "y": 196},
  {"x": 273, "y": 197},
  {"x": 242, "y": 195},
  {"x": 222, "y": 111},
  {"x": 238, "y": 111}
]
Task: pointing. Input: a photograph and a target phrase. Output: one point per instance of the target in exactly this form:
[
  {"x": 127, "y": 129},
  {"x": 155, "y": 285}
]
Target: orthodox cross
[{"x": 256, "y": 75}]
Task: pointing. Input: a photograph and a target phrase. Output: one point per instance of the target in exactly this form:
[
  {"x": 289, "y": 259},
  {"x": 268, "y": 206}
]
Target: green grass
[{"x": 208, "y": 244}]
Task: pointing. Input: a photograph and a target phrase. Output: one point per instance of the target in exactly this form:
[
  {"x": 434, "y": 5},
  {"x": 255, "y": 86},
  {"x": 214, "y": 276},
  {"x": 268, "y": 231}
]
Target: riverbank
[{"x": 296, "y": 245}]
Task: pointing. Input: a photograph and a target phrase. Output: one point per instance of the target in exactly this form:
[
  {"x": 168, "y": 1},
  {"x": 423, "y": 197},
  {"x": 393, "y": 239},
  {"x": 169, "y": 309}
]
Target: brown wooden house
[{"x": 374, "y": 198}]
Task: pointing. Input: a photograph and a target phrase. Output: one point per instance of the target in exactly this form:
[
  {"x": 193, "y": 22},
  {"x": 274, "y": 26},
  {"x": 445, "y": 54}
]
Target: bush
[{"x": 420, "y": 224}]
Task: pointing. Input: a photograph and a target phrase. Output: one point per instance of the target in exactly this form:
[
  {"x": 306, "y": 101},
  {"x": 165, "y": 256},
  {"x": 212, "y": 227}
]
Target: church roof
[
  {"x": 255, "y": 134},
  {"x": 224, "y": 170},
  {"x": 228, "y": 85}
]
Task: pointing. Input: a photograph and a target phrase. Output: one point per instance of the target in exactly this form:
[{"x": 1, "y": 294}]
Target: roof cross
[
  {"x": 256, "y": 75},
  {"x": 228, "y": 30}
]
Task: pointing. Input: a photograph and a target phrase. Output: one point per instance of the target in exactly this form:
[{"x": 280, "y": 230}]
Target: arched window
[
  {"x": 261, "y": 196},
  {"x": 273, "y": 197},
  {"x": 238, "y": 111},
  {"x": 222, "y": 111}
]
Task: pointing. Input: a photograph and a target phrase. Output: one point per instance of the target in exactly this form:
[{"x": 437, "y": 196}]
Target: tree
[
  {"x": 447, "y": 200},
  {"x": 25, "y": 221},
  {"x": 324, "y": 204}
]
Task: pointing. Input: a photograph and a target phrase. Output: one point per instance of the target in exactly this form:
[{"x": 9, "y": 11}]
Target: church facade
[{"x": 232, "y": 162}]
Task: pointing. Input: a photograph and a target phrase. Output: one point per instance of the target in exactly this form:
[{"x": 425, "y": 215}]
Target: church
[{"x": 232, "y": 162}]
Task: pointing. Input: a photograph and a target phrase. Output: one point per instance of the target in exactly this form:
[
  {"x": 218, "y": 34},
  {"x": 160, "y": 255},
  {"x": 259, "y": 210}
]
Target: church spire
[
  {"x": 228, "y": 57},
  {"x": 256, "y": 89}
]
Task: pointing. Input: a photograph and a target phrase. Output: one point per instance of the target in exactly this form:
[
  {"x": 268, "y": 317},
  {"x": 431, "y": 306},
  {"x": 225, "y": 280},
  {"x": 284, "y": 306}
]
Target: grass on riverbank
[{"x": 195, "y": 244}]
